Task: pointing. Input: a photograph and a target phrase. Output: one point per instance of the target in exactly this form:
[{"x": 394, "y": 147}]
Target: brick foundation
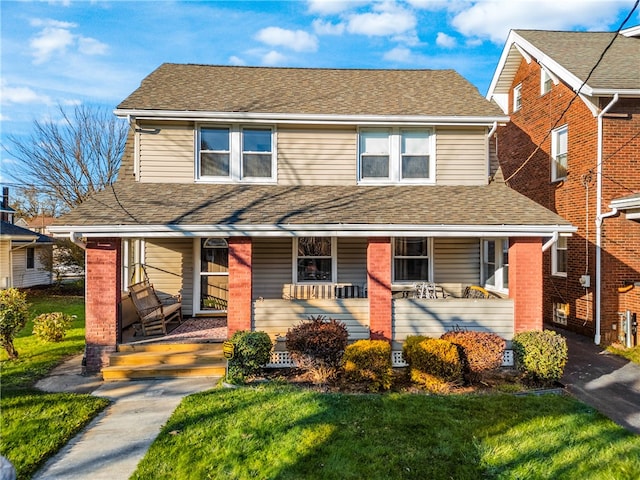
[
  {"x": 525, "y": 282},
  {"x": 102, "y": 301},
  {"x": 379, "y": 287},
  {"x": 240, "y": 284}
]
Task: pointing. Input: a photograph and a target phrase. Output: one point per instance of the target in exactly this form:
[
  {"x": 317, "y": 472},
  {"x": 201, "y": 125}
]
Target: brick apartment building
[{"x": 573, "y": 146}]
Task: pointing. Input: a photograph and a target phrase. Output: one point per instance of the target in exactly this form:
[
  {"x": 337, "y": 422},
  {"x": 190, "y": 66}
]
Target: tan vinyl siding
[
  {"x": 169, "y": 264},
  {"x": 271, "y": 262},
  {"x": 5, "y": 264},
  {"x": 276, "y": 317},
  {"x": 24, "y": 277},
  {"x": 461, "y": 156},
  {"x": 432, "y": 318},
  {"x": 352, "y": 261},
  {"x": 166, "y": 152},
  {"x": 317, "y": 155},
  {"x": 456, "y": 263}
]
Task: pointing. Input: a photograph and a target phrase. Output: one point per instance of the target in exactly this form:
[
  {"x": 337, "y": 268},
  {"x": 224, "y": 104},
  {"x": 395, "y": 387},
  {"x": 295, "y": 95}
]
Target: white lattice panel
[
  {"x": 397, "y": 360},
  {"x": 507, "y": 358},
  {"x": 281, "y": 360}
]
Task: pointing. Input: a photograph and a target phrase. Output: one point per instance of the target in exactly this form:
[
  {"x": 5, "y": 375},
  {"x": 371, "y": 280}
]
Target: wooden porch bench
[{"x": 154, "y": 314}]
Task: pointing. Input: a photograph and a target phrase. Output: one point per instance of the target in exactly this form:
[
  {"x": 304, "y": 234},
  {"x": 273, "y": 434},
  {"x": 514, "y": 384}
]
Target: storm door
[{"x": 214, "y": 275}]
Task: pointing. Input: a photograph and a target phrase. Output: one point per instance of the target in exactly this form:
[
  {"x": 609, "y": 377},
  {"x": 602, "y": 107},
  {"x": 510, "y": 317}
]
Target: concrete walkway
[
  {"x": 111, "y": 446},
  {"x": 607, "y": 382}
]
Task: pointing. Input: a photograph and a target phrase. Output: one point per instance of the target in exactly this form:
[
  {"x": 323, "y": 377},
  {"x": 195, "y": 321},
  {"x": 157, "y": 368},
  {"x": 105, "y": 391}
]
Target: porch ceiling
[{"x": 255, "y": 208}]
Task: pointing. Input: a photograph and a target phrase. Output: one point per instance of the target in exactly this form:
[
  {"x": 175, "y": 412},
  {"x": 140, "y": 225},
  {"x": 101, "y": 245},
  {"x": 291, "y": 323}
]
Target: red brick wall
[
  {"x": 240, "y": 284},
  {"x": 525, "y": 282},
  {"x": 379, "y": 287},
  {"x": 103, "y": 295},
  {"x": 575, "y": 198}
]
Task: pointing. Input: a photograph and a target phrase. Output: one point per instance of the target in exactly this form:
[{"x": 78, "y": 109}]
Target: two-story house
[
  {"x": 272, "y": 194},
  {"x": 573, "y": 146}
]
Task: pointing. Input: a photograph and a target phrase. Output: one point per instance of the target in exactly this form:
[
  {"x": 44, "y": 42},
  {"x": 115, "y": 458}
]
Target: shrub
[
  {"x": 317, "y": 345},
  {"x": 540, "y": 355},
  {"x": 435, "y": 363},
  {"x": 252, "y": 351},
  {"x": 51, "y": 327},
  {"x": 481, "y": 351},
  {"x": 369, "y": 361},
  {"x": 14, "y": 312},
  {"x": 409, "y": 346}
]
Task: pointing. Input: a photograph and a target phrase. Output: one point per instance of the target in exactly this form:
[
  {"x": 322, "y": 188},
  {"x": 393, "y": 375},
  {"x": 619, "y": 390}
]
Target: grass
[
  {"x": 34, "y": 424},
  {"x": 631, "y": 354},
  {"x": 276, "y": 431}
]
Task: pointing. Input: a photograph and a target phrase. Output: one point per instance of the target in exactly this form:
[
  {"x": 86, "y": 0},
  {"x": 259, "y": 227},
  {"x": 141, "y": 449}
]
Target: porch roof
[{"x": 151, "y": 209}]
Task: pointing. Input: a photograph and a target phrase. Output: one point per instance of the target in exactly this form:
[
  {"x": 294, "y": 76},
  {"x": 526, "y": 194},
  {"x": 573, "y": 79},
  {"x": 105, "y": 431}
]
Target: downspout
[
  {"x": 73, "y": 236},
  {"x": 599, "y": 218},
  {"x": 551, "y": 241}
]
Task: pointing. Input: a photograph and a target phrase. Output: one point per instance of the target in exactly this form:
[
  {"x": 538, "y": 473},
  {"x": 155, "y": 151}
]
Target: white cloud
[
  {"x": 444, "y": 40},
  {"x": 273, "y": 58},
  {"x": 327, "y": 28},
  {"x": 298, "y": 40},
  {"x": 20, "y": 95},
  {"x": 398, "y": 54},
  {"x": 493, "y": 19},
  {"x": 55, "y": 37},
  {"x": 387, "y": 19},
  {"x": 237, "y": 61},
  {"x": 332, "y": 7}
]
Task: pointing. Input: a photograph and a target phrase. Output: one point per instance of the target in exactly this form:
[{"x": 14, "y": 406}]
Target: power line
[{"x": 576, "y": 94}]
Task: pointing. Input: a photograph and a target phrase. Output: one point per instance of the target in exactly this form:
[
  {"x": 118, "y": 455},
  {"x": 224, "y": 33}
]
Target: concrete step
[{"x": 138, "y": 361}]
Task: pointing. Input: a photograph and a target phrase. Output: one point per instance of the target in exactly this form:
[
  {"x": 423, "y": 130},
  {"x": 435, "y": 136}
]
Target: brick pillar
[
  {"x": 525, "y": 282},
  {"x": 240, "y": 285},
  {"x": 103, "y": 291},
  {"x": 379, "y": 287}
]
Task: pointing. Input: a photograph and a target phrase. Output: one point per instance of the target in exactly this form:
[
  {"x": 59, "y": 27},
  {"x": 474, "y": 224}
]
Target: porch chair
[{"x": 154, "y": 314}]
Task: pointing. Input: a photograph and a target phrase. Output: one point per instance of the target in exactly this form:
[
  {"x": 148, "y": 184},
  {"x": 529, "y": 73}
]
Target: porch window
[
  {"x": 559, "y": 150},
  {"x": 315, "y": 259},
  {"x": 495, "y": 264},
  {"x": 559, "y": 257},
  {"x": 411, "y": 259},
  {"x": 214, "y": 274},
  {"x": 132, "y": 261},
  {"x": 235, "y": 153},
  {"x": 31, "y": 258}
]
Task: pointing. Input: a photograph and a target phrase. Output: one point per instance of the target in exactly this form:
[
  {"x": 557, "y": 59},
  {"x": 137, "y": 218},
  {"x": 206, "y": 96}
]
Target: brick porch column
[
  {"x": 240, "y": 285},
  {"x": 103, "y": 291},
  {"x": 525, "y": 282},
  {"x": 379, "y": 287}
]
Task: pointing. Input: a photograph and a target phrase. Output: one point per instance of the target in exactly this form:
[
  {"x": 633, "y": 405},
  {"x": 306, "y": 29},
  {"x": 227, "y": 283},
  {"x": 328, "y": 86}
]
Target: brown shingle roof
[
  {"x": 207, "y": 88},
  {"x": 188, "y": 204},
  {"x": 578, "y": 52}
]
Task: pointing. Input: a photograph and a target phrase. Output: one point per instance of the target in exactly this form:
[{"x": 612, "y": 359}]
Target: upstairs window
[
  {"x": 559, "y": 148},
  {"x": 235, "y": 153},
  {"x": 396, "y": 155},
  {"x": 559, "y": 257},
  {"x": 546, "y": 82},
  {"x": 517, "y": 97},
  {"x": 411, "y": 259}
]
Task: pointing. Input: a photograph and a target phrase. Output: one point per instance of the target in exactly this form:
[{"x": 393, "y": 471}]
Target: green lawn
[
  {"x": 34, "y": 424},
  {"x": 281, "y": 432}
]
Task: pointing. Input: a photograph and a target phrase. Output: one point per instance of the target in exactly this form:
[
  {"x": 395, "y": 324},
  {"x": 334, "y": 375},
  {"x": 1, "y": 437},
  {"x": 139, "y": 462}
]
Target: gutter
[
  {"x": 75, "y": 238},
  {"x": 599, "y": 219},
  {"x": 551, "y": 241}
]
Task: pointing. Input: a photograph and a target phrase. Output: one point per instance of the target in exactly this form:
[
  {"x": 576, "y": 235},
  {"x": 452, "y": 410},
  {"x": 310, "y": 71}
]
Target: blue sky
[{"x": 71, "y": 52}]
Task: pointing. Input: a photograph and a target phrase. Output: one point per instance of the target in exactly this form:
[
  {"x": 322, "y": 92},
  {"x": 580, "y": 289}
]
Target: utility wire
[{"x": 576, "y": 94}]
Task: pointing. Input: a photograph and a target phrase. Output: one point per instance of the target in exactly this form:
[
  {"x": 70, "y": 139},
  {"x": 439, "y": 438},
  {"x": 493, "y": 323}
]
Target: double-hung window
[
  {"x": 31, "y": 258},
  {"x": 559, "y": 150},
  {"x": 236, "y": 153},
  {"x": 559, "y": 257},
  {"x": 393, "y": 155},
  {"x": 411, "y": 259},
  {"x": 314, "y": 259},
  {"x": 517, "y": 97},
  {"x": 495, "y": 264}
]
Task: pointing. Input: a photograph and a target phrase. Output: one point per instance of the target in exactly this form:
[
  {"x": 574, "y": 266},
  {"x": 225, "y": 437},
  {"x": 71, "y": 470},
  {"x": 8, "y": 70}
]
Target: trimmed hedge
[
  {"x": 481, "y": 351},
  {"x": 433, "y": 362},
  {"x": 252, "y": 351},
  {"x": 369, "y": 361},
  {"x": 540, "y": 355}
]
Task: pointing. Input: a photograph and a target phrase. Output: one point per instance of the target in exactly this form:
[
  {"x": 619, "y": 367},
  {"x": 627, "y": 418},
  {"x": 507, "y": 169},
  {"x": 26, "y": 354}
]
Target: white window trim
[
  {"x": 501, "y": 243},
  {"x": 517, "y": 97},
  {"x": 395, "y": 157},
  {"x": 554, "y": 257},
  {"x": 554, "y": 153},
  {"x": 236, "y": 154},
  {"x": 334, "y": 263},
  {"x": 429, "y": 258}
]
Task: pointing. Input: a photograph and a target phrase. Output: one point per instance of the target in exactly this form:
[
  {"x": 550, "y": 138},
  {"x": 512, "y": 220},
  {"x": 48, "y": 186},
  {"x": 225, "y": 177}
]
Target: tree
[
  {"x": 68, "y": 159},
  {"x": 14, "y": 312}
]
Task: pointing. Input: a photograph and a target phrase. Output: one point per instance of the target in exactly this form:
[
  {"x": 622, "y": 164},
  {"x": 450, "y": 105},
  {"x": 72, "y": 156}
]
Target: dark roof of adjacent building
[
  {"x": 11, "y": 230},
  {"x": 319, "y": 91},
  {"x": 579, "y": 52},
  {"x": 207, "y": 204}
]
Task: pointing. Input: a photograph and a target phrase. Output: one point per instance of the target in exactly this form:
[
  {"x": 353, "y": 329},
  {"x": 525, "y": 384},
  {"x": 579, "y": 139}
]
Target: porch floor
[{"x": 192, "y": 330}]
